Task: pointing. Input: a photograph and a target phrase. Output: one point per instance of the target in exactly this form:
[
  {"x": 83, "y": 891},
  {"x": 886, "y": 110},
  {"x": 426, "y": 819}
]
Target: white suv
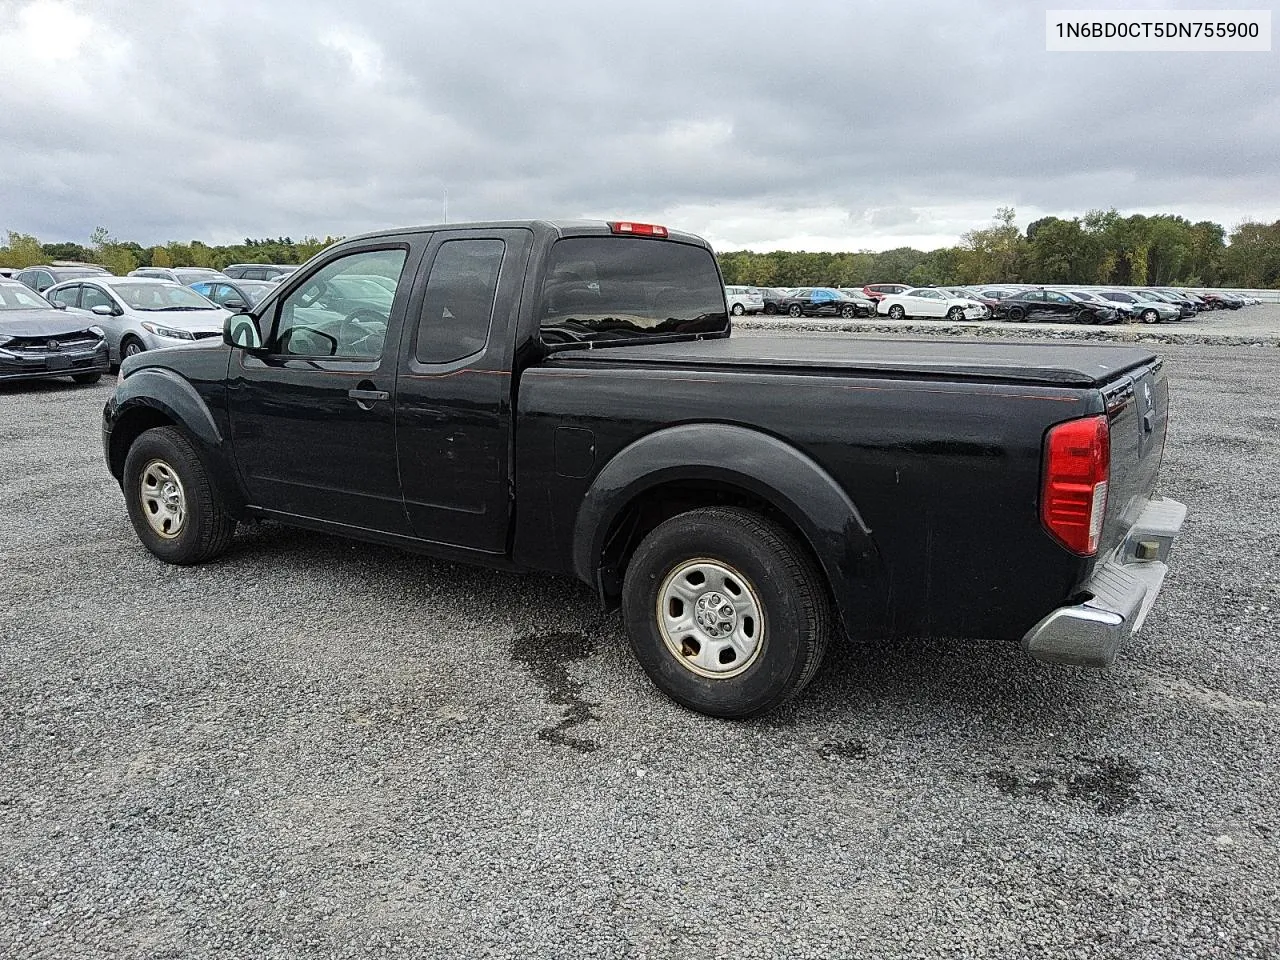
[{"x": 743, "y": 300}]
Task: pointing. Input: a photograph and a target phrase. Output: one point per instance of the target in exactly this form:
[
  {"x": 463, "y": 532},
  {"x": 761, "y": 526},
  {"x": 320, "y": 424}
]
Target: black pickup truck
[{"x": 567, "y": 397}]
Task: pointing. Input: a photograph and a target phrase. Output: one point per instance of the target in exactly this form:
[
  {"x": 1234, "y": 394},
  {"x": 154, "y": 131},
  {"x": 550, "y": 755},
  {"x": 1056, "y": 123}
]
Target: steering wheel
[{"x": 359, "y": 325}]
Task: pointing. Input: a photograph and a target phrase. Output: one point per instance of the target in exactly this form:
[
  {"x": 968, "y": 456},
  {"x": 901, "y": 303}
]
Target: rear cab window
[{"x": 620, "y": 288}]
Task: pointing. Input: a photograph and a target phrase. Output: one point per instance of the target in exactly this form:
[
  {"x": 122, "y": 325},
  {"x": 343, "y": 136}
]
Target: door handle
[{"x": 366, "y": 396}]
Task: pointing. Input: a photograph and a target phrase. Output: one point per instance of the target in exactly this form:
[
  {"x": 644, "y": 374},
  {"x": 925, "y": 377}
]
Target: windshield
[
  {"x": 160, "y": 296},
  {"x": 18, "y": 296},
  {"x": 616, "y": 287}
]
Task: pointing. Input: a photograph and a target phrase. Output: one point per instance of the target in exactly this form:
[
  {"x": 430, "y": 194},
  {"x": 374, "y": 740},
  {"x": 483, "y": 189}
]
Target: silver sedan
[{"x": 139, "y": 313}]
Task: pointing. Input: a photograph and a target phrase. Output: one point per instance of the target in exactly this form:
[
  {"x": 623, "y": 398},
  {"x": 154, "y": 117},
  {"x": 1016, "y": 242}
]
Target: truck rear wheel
[
  {"x": 726, "y": 612},
  {"x": 172, "y": 503}
]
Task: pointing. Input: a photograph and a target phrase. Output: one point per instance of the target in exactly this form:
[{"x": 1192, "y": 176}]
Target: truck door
[
  {"x": 454, "y": 389},
  {"x": 313, "y": 417}
]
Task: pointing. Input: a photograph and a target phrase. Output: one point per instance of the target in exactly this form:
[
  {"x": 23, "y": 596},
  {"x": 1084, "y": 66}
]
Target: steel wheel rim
[
  {"x": 710, "y": 618},
  {"x": 131, "y": 349},
  {"x": 163, "y": 498}
]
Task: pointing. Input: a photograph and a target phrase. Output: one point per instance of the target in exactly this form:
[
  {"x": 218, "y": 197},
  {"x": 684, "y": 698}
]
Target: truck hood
[{"x": 1066, "y": 365}]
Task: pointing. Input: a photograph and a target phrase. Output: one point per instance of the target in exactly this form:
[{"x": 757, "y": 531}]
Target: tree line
[
  {"x": 121, "y": 256},
  {"x": 1102, "y": 247}
]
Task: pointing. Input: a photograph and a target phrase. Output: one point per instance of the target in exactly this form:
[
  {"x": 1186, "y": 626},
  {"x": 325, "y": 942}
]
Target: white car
[
  {"x": 141, "y": 313},
  {"x": 927, "y": 302},
  {"x": 743, "y": 300}
]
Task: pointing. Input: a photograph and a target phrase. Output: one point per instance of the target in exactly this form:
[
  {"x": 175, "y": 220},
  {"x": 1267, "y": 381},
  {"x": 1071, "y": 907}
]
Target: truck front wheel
[
  {"x": 174, "y": 508},
  {"x": 726, "y": 612}
]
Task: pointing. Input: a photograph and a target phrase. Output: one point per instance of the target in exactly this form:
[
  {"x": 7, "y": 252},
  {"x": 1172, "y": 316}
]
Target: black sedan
[
  {"x": 1053, "y": 305},
  {"x": 38, "y": 341},
  {"x": 822, "y": 302}
]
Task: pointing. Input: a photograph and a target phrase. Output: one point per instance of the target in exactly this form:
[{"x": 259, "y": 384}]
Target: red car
[{"x": 877, "y": 290}]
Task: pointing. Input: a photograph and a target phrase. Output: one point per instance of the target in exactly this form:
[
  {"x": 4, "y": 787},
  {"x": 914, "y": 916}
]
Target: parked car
[
  {"x": 743, "y": 300},
  {"x": 738, "y": 497},
  {"x": 41, "y": 278},
  {"x": 258, "y": 271},
  {"x": 878, "y": 291},
  {"x": 866, "y": 303},
  {"x": 773, "y": 297},
  {"x": 1185, "y": 308},
  {"x": 821, "y": 302},
  {"x": 1142, "y": 308},
  {"x": 1222, "y": 301},
  {"x": 234, "y": 294},
  {"x": 141, "y": 313},
  {"x": 928, "y": 302},
  {"x": 7, "y": 273},
  {"x": 1054, "y": 305},
  {"x": 1122, "y": 310},
  {"x": 38, "y": 340},
  {"x": 964, "y": 293},
  {"x": 184, "y": 276}
]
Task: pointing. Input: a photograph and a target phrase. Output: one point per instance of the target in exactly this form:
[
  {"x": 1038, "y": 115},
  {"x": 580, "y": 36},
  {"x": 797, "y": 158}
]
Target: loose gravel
[{"x": 317, "y": 748}]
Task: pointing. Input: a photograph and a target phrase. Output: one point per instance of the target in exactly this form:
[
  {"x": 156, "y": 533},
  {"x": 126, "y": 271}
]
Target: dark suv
[
  {"x": 258, "y": 271},
  {"x": 41, "y": 278}
]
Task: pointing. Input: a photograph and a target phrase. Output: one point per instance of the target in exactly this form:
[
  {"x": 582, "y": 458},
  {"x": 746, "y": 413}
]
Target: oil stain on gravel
[
  {"x": 547, "y": 657},
  {"x": 1110, "y": 784}
]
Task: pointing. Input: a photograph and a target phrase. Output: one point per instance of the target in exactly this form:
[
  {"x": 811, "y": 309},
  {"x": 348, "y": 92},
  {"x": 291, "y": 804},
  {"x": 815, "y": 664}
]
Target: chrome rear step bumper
[{"x": 1122, "y": 590}]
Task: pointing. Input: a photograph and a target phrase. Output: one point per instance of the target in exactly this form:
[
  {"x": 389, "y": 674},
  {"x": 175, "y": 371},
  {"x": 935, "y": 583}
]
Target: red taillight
[
  {"x": 1077, "y": 463},
  {"x": 638, "y": 229}
]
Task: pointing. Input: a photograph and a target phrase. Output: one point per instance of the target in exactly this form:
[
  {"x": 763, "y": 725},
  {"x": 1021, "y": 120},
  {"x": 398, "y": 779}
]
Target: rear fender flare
[{"x": 761, "y": 465}]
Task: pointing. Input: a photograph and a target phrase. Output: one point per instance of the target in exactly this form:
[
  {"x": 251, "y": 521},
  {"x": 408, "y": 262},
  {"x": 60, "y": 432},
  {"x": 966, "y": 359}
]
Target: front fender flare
[
  {"x": 155, "y": 389},
  {"x": 762, "y": 465}
]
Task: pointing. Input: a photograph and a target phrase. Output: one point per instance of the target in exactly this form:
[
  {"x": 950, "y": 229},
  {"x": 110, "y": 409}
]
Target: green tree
[{"x": 22, "y": 250}]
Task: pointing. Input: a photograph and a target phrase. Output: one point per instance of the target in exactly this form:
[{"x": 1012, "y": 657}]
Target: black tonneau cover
[{"x": 1067, "y": 365}]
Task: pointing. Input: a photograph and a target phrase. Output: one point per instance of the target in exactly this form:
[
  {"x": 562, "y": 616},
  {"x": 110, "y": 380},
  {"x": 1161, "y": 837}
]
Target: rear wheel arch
[{"x": 683, "y": 468}]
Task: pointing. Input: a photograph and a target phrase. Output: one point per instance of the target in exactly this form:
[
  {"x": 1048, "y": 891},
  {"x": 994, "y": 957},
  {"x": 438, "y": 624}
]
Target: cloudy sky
[{"x": 760, "y": 124}]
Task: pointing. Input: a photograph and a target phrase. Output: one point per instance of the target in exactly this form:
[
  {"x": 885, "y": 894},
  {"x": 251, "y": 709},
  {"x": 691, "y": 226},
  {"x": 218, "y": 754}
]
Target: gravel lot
[{"x": 322, "y": 749}]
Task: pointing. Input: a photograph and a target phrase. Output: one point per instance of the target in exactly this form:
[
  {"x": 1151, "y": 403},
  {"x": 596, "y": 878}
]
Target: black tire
[
  {"x": 207, "y": 527},
  {"x": 1017, "y": 314},
  {"x": 770, "y": 309},
  {"x": 1149, "y": 316},
  {"x": 779, "y": 573},
  {"x": 795, "y": 310},
  {"x": 847, "y": 312},
  {"x": 87, "y": 378},
  {"x": 737, "y": 310},
  {"x": 897, "y": 312},
  {"x": 130, "y": 346},
  {"x": 955, "y": 314}
]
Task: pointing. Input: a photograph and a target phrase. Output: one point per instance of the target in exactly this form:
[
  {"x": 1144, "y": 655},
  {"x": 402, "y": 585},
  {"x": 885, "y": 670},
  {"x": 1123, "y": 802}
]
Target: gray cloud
[{"x": 764, "y": 123}]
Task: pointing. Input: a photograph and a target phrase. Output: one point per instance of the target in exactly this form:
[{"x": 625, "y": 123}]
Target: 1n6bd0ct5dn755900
[{"x": 568, "y": 397}]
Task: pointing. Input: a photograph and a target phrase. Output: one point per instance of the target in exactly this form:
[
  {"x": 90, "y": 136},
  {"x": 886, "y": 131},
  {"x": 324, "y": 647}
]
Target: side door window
[
  {"x": 458, "y": 306},
  {"x": 342, "y": 310},
  {"x": 68, "y": 296},
  {"x": 93, "y": 297},
  {"x": 44, "y": 280}
]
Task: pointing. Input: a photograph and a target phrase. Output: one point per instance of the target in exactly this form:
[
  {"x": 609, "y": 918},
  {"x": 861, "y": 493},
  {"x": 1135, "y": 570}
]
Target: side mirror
[
  {"x": 241, "y": 330},
  {"x": 103, "y": 310},
  {"x": 57, "y": 304},
  {"x": 235, "y": 304}
]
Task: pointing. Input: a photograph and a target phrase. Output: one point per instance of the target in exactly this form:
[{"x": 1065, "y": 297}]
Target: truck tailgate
[{"x": 1138, "y": 410}]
